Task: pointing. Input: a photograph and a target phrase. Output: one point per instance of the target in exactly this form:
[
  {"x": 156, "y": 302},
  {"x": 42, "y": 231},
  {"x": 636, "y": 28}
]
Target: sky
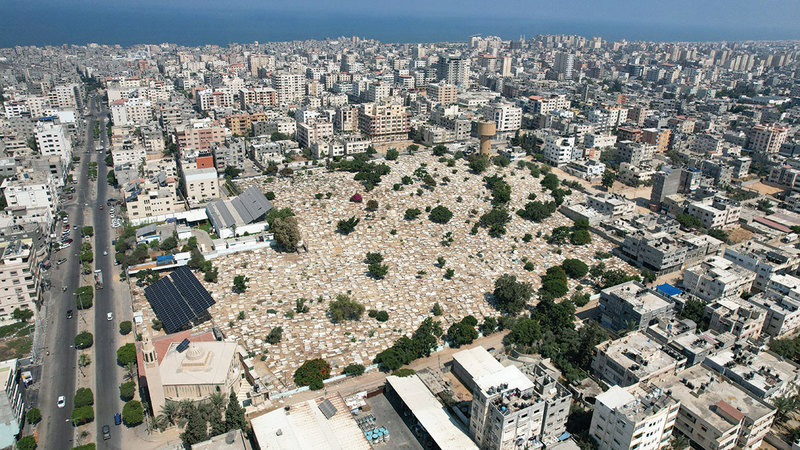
[{"x": 195, "y": 22}]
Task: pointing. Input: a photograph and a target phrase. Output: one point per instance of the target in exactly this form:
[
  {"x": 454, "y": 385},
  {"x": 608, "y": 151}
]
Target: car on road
[
  {"x": 61, "y": 401},
  {"x": 105, "y": 252},
  {"x": 68, "y": 241},
  {"x": 69, "y": 314},
  {"x": 101, "y": 207},
  {"x": 106, "y": 432},
  {"x": 110, "y": 316},
  {"x": 69, "y": 198},
  {"x": 117, "y": 419},
  {"x": 61, "y": 261}
]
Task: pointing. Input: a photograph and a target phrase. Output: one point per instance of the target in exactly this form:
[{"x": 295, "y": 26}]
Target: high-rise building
[
  {"x": 384, "y": 123},
  {"x": 444, "y": 94},
  {"x": 454, "y": 70},
  {"x": 289, "y": 86},
  {"x": 506, "y": 70},
  {"x": 665, "y": 182},
  {"x": 506, "y": 116},
  {"x": 640, "y": 417},
  {"x": 564, "y": 64},
  {"x": 52, "y": 140},
  {"x": 767, "y": 139}
]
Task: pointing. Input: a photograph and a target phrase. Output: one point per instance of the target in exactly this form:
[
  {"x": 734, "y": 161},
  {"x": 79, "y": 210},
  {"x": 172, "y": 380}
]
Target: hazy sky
[{"x": 56, "y": 21}]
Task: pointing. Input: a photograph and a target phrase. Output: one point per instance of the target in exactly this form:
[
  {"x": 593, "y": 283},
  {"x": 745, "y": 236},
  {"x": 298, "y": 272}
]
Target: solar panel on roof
[
  {"x": 182, "y": 346},
  {"x": 178, "y": 299},
  {"x": 327, "y": 408}
]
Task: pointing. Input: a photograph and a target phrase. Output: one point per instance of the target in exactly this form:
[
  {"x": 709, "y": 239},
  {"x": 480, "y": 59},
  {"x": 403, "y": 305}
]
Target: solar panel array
[
  {"x": 327, "y": 408},
  {"x": 182, "y": 346},
  {"x": 178, "y": 299}
]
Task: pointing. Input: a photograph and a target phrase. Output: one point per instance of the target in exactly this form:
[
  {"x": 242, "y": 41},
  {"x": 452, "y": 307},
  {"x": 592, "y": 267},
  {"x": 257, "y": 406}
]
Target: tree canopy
[{"x": 511, "y": 295}]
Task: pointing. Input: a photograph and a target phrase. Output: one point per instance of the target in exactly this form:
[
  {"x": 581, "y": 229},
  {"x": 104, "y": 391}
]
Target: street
[
  {"x": 58, "y": 355},
  {"x": 108, "y": 374}
]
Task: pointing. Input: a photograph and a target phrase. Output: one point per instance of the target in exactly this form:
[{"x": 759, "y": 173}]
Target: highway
[
  {"x": 59, "y": 358},
  {"x": 106, "y": 335}
]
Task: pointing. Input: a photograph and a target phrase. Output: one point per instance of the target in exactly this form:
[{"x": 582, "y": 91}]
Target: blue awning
[
  {"x": 669, "y": 289},
  {"x": 564, "y": 436}
]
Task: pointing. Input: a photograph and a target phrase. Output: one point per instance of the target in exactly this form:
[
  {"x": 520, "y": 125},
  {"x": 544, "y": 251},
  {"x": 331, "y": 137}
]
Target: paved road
[
  {"x": 108, "y": 375},
  {"x": 59, "y": 358}
]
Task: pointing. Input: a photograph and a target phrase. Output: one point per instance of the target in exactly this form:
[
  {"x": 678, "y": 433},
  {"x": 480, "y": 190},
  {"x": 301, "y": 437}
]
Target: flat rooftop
[
  {"x": 639, "y": 354},
  {"x": 304, "y": 426},
  {"x": 477, "y": 362},
  {"x": 444, "y": 430},
  {"x": 201, "y": 363}
]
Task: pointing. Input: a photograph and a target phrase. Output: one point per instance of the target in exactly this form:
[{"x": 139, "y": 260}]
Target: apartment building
[
  {"x": 764, "y": 259},
  {"x": 507, "y": 117},
  {"x": 284, "y": 125},
  {"x": 606, "y": 119},
  {"x": 659, "y": 138},
  {"x": 733, "y": 315},
  {"x": 258, "y": 96},
  {"x": 131, "y": 111},
  {"x": 443, "y": 94},
  {"x": 544, "y": 105},
  {"x": 659, "y": 252},
  {"x": 200, "y": 185},
  {"x": 640, "y": 416},
  {"x": 634, "y": 153},
  {"x": 559, "y": 150},
  {"x": 716, "y": 414},
  {"x": 289, "y": 87},
  {"x": 717, "y": 278},
  {"x": 762, "y": 373},
  {"x": 766, "y": 139},
  {"x": 199, "y": 135},
  {"x": 32, "y": 195},
  {"x": 634, "y": 358},
  {"x": 631, "y": 306},
  {"x": 720, "y": 213},
  {"x": 308, "y": 133},
  {"x": 231, "y": 153},
  {"x": 596, "y": 140},
  {"x": 145, "y": 199},
  {"x": 208, "y": 99},
  {"x": 128, "y": 152},
  {"x": 51, "y": 139},
  {"x": 242, "y": 124},
  {"x": 782, "y": 302},
  {"x": 19, "y": 274},
  {"x": 384, "y": 122}
]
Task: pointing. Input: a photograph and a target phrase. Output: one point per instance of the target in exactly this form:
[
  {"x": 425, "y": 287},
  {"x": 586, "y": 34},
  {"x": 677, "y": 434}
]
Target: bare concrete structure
[{"x": 486, "y": 131}]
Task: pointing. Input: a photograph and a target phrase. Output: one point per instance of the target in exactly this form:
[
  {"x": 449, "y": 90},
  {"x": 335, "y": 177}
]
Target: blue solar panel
[
  {"x": 178, "y": 299},
  {"x": 182, "y": 346}
]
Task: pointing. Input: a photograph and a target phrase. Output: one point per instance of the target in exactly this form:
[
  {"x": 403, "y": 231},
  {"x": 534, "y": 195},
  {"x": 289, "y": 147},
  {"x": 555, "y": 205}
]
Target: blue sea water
[{"x": 26, "y": 24}]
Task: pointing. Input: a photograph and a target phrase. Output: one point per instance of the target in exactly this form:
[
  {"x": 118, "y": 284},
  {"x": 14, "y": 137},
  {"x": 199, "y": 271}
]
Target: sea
[{"x": 57, "y": 24}]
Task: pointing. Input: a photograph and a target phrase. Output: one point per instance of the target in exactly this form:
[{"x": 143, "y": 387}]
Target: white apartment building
[
  {"x": 596, "y": 140},
  {"x": 545, "y": 105},
  {"x": 290, "y": 87},
  {"x": 507, "y": 117},
  {"x": 605, "y": 119},
  {"x": 208, "y": 99},
  {"x": 200, "y": 185},
  {"x": 146, "y": 199},
  {"x": 283, "y": 125},
  {"x": 34, "y": 192},
  {"x": 719, "y": 214},
  {"x": 52, "y": 140},
  {"x": 19, "y": 275},
  {"x": 308, "y": 133},
  {"x": 64, "y": 96},
  {"x": 131, "y": 111},
  {"x": 558, "y": 150},
  {"x": 717, "y": 278},
  {"x": 716, "y": 414},
  {"x": 782, "y": 301},
  {"x": 257, "y": 96},
  {"x": 639, "y": 416},
  {"x": 129, "y": 153},
  {"x": 766, "y": 139},
  {"x": 765, "y": 260}
]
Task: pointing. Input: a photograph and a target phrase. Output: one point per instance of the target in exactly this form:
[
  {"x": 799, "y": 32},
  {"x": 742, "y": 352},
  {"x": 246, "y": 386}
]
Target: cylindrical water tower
[{"x": 486, "y": 131}]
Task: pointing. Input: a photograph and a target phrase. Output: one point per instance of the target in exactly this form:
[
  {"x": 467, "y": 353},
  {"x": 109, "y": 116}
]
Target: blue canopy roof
[{"x": 669, "y": 289}]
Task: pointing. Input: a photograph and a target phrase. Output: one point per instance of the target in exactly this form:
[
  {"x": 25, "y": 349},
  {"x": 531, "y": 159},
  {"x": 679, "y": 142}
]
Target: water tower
[{"x": 486, "y": 131}]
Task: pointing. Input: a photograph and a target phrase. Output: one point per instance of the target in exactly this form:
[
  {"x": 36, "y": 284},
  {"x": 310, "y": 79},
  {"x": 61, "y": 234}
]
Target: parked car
[
  {"x": 69, "y": 314},
  {"x": 106, "y": 432},
  {"x": 110, "y": 316},
  {"x": 61, "y": 401},
  {"x": 117, "y": 419},
  {"x": 61, "y": 261}
]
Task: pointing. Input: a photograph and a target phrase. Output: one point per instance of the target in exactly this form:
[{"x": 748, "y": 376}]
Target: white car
[
  {"x": 61, "y": 401},
  {"x": 110, "y": 316},
  {"x": 105, "y": 252}
]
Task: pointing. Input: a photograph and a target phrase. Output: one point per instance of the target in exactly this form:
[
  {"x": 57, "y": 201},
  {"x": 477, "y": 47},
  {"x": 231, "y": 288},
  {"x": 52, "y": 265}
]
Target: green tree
[
  {"x": 347, "y": 226},
  {"x": 478, "y": 164},
  {"x": 83, "y": 340},
  {"x": 608, "y": 179},
  {"x": 392, "y": 154},
  {"x": 580, "y": 237},
  {"x": 382, "y": 316},
  {"x": 440, "y": 214},
  {"x": 461, "y": 333},
  {"x": 695, "y": 310},
  {"x": 275, "y": 335},
  {"x": 688, "y": 221},
  {"x": 489, "y": 326},
  {"x": 373, "y": 258},
  {"x": 126, "y": 354},
  {"x": 575, "y": 268},
  {"x": 378, "y": 271},
  {"x": 22, "y": 315},
  {"x": 125, "y": 327},
  {"x": 196, "y": 428},
  {"x": 27, "y": 443},
  {"x": 82, "y": 415},
  {"x": 511, "y": 295},
  {"x": 312, "y": 373},
  {"x": 437, "y": 309},
  {"x": 412, "y": 213},
  {"x": 168, "y": 244},
  {"x": 34, "y": 415},
  {"x": 127, "y": 390},
  {"x": 550, "y": 182},
  {"x": 132, "y": 413},
  {"x": 525, "y": 332},
  {"x": 718, "y": 233},
  {"x": 286, "y": 233},
  {"x": 87, "y": 231},
  {"x": 648, "y": 276},
  {"x": 83, "y": 397},
  {"x": 617, "y": 276},
  {"x": 345, "y": 308},
  {"x": 354, "y": 369},
  {"x": 234, "y": 414},
  {"x": 240, "y": 283}
]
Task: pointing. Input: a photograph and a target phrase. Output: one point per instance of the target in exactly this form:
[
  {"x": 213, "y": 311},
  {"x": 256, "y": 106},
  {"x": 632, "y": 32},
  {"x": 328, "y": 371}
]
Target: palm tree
[
  {"x": 218, "y": 400},
  {"x": 784, "y": 407},
  {"x": 131, "y": 371},
  {"x": 185, "y": 406},
  {"x": 169, "y": 414},
  {"x": 678, "y": 442}
]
